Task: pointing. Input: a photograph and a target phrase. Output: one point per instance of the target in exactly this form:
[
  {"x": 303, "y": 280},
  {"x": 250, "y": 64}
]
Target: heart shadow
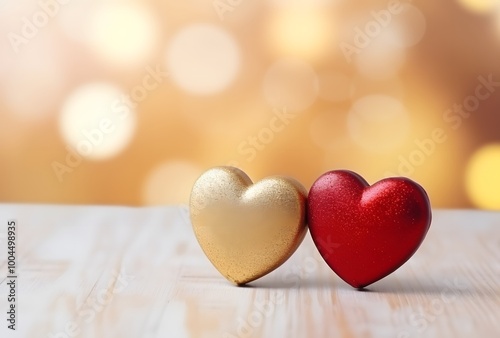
[
  {"x": 445, "y": 286},
  {"x": 311, "y": 282},
  {"x": 389, "y": 285}
]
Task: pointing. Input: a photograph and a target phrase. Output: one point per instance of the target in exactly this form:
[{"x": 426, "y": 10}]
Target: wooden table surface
[{"x": 138, "y": 272}]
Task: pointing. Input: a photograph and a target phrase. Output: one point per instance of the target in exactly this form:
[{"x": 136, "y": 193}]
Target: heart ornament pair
[{"x": 363, "y": 232}]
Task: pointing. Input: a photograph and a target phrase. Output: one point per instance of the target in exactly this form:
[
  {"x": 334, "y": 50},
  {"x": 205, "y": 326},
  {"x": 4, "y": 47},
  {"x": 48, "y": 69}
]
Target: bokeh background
[{"x": 127, "y": 102}]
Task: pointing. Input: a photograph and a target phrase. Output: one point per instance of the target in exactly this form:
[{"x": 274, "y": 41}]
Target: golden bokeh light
[
  {"x": 479, "y": 6},
  {"x": 123, "y": 34},
  {"x": 303, "y": 31},
  {"x": 378, "y": 123},
  {"x": 203, "y": 59},
  {"x": 98, "y": 121},
  {"x": 383, "y": 57},
  {"x": 32, "y": 87},
  {"x": 75, "y": 20},
  {"x": 482, "y": 179},
  {"x": 411, "y": 24}
]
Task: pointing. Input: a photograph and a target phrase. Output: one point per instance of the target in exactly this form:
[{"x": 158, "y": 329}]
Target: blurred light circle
[
  {"x": 123, "y": 34},
  {"x": 327, "y": 130},
  {"x": 378, "y": 123},
  {"x": 479, "y": 6},
  {"x": 482, "y": 178},
  {"x": 335, "y": 87},
  {"x": 33, "y": 80},
  {"x": 383, "y": 57},
  {"x": 203, "y": 59},
  {"x": 412, "y": 25},
  {"x": 303, "y": 31},
  {"x": 292, "y": 84},
  {"x": 74, "y": 20},
  {"x": 170, "y": 183},
  {"x": 98, "y": 121}
]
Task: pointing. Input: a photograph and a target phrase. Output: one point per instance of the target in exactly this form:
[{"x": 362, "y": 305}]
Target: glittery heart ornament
[
  {"x": 247, "y": 230},
  {"x": 364, "y": 232}
]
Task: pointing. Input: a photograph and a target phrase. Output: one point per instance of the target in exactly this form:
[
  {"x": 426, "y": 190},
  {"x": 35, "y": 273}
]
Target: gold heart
[{"x": 247, "y": 230}]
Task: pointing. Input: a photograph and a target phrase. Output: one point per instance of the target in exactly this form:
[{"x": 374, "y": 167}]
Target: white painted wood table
[{"x": 138, "y": 272}]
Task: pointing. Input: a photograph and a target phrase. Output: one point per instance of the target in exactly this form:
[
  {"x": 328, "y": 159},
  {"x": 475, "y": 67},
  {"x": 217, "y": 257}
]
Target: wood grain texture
[{"x": 138, "y": 272}]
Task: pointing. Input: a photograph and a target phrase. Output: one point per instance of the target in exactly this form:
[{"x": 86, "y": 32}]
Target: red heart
[{"x": 364, "y": 232}]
